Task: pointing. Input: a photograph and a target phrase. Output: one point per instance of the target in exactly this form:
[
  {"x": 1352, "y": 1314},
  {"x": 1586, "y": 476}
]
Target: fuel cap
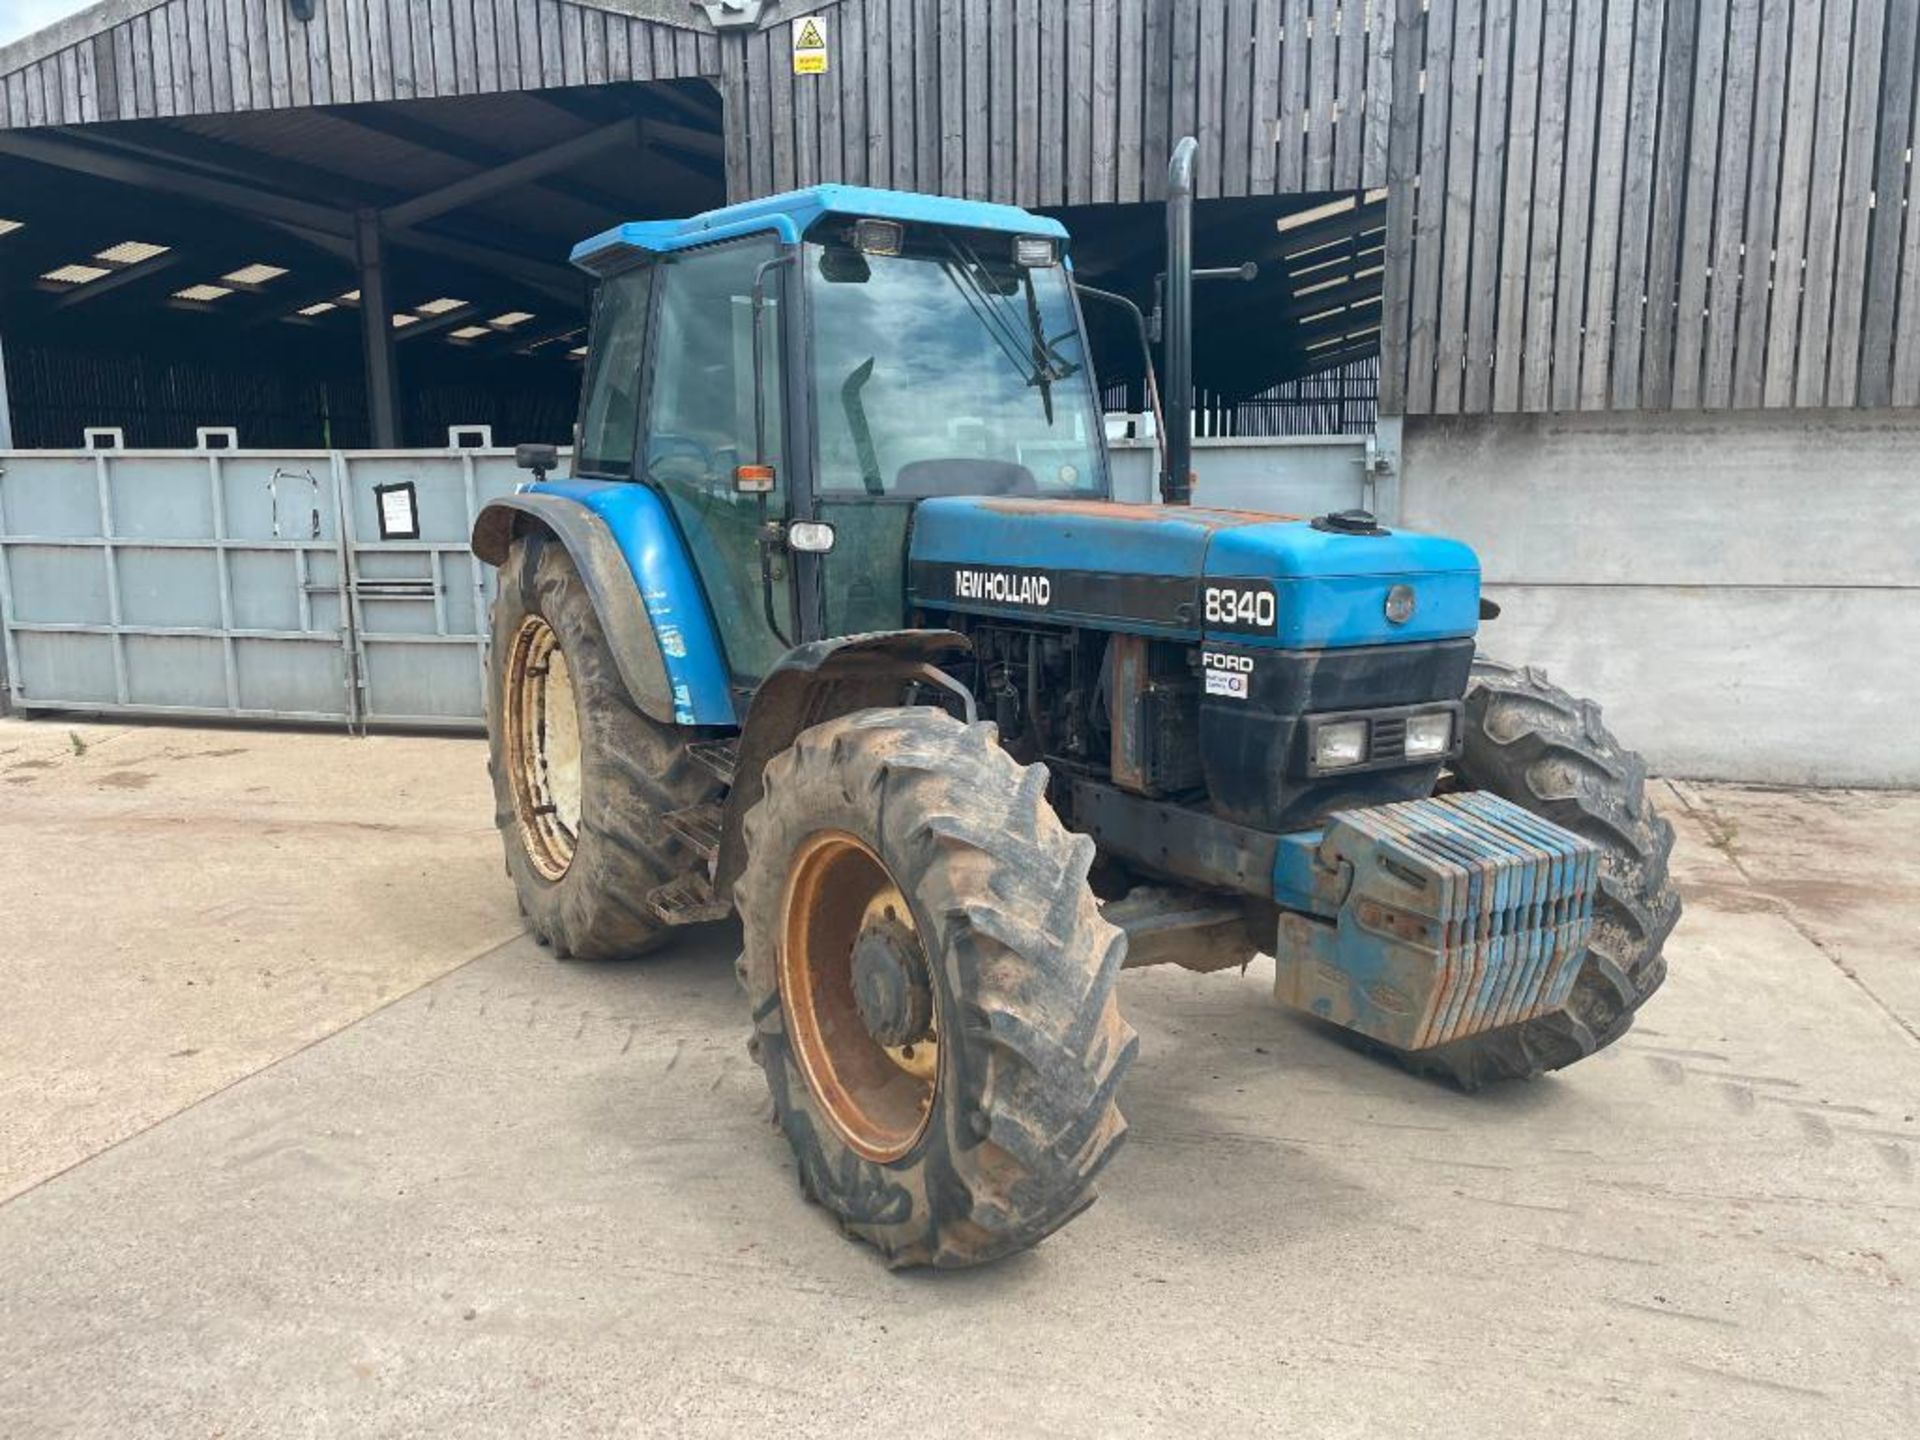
[{"x": 1349, "y": 522}]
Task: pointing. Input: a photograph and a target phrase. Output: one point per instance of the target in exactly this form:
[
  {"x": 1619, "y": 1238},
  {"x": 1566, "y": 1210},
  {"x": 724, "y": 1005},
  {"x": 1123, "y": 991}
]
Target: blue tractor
[{"x": 834, "y": 623}]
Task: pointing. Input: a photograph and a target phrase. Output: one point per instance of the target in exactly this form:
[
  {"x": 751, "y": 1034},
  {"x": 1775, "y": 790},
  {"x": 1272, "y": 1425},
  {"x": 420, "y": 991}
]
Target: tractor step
[
  {"x": 718, "y": 756},
  {"x": 700, "y": 827},
  {"x": 687, "y": 901}
]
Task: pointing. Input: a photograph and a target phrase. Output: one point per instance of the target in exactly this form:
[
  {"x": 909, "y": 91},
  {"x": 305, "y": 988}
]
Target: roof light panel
[
  {"x": 203, "y": 294},
  {"x": 7, "y": 227},
  {"x": 255, "y": 274},
  {"x": 471, "y": 332},
  {"x": 440, "y": 306},
  {"x": 318, "y": 308},
  {"x": 130, "y": 252},
  {"x": 510, "y": 319},
  {"x": 76, "y": 274},
  {"x": 403, "y": 319}
]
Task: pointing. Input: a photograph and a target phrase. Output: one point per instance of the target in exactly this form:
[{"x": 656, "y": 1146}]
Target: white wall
[
  {"x": 1740, "y": 591},
  {"x": 1289, "y": 475}
]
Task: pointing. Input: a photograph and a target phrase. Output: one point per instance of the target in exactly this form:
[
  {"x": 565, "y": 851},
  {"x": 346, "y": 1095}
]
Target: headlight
[
  {"x": 1337, "y": 746},
  {"x": 810, "y": 536},
  {"x": 1429, "y": 734}
]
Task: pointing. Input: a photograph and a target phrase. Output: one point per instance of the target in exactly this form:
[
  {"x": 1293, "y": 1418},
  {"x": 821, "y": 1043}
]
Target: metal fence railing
[
  {"x": 1341, "y": 400},
  {"x": 338, "y": 586}
]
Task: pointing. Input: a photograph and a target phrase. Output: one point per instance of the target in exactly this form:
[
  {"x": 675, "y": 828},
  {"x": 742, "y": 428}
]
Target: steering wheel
[{"x": 665, "y": 448}]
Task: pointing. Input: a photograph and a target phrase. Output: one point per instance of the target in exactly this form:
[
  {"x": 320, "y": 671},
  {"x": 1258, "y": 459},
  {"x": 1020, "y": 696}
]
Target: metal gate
[
  {"x": 306, "y": 585},
  {"x": 419, "y": 594},
  {"x": 1285, "y": 474}
]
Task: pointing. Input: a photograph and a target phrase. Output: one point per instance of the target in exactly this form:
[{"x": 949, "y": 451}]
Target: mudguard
[
  {"x": 814, "y": 683},
  {"x": 642, "y": 584}
]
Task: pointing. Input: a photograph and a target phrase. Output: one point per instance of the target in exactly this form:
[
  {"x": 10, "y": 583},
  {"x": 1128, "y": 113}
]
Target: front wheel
[
  {"x": 581, "y": 778},
  {"x": 932, "y": 987},
  {"x": 1530, "y": 742}
]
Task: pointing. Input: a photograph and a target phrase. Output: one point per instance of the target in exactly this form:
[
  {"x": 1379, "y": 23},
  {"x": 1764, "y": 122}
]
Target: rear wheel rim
[
  {"x": 543, "y": 747},
  {"x": 878, "y": 1097}
]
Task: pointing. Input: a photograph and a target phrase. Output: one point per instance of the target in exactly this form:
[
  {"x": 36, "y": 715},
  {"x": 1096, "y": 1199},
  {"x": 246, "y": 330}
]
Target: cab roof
[{"x": 789, "y": 216}]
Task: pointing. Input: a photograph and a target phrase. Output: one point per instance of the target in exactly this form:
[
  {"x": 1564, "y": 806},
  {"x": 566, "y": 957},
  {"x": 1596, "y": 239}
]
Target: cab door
[{"x": 699, "y": 427}]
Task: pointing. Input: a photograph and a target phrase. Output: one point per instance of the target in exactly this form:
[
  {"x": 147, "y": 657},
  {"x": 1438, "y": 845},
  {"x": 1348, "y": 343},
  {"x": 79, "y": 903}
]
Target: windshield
[{"x": 941, "y": 371}]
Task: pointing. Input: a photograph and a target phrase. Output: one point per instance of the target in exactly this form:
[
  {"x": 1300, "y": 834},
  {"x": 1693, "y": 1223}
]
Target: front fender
[{"x": 642, "y": 584}]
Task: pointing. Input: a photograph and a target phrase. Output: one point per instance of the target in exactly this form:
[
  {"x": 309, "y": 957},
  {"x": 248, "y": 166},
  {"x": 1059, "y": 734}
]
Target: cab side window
[
  {"x": 610, "y": 418},
  {"x": 702, "y": 406},
  {"x": 700, "y": 427}
]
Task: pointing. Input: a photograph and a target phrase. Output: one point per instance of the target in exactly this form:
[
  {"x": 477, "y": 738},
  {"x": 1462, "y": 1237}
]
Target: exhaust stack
[{"x": 1176, "y": 481}]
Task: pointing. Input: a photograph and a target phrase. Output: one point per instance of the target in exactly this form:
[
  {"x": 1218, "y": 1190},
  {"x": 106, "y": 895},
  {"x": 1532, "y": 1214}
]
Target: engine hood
[{"x": 1188, "y": 573}]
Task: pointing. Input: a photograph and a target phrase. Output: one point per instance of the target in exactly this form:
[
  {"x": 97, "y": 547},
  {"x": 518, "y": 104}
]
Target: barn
[{"x": 1627, "y": 292}]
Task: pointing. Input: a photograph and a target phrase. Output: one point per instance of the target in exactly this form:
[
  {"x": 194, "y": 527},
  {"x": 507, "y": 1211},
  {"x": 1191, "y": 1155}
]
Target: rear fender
[
  {"x": 814, "y": 683},
  {"x": 642, "y": 585}
]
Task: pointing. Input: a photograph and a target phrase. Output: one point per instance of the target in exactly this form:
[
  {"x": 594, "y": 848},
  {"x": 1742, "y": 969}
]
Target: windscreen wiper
[{"x": 1033, "y": 356}]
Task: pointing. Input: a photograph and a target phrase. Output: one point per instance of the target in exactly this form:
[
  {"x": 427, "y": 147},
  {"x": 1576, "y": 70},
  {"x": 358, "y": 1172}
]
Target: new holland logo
[{"x": 1002, "y": 588}]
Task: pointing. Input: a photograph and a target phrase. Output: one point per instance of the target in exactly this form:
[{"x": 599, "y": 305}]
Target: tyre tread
[
  {"x": 633, "y": 770},
  {"x": 1005, "y": 885},
  {"x": 1531, "y": 742}
]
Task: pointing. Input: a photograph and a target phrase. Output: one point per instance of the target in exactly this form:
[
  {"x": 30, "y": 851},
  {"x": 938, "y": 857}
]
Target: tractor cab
[{"x": 831, "y": 358}]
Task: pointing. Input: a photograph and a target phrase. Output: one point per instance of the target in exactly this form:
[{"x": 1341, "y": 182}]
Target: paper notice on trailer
[{"x": 809, "y": 45}]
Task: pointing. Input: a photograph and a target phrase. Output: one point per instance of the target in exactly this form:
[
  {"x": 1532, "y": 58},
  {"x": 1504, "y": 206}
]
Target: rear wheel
[
  {"x": 1530, "y": 742},
  {"x": 580, "y": 776},
  {"x": 932, "y": 987}
]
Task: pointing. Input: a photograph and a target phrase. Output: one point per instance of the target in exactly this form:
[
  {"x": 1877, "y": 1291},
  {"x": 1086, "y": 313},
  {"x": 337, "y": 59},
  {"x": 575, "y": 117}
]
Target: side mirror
[{"x": 537, "y": 458}]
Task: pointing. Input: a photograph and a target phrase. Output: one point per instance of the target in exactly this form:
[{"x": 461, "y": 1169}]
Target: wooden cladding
[
  {"x": 1068, "y": 102},
  {"x": 1658, "y": 204},
  {"x": 191, "y": 57}
]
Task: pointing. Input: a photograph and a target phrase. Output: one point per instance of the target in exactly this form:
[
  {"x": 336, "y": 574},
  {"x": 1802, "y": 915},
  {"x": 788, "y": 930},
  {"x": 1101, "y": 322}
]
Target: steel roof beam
[
  {"x": 515, "y": 172},
  {"x": 435, "y": 324},
  {"x": 535, "y": 340},
  {"x": 559, "y": 281},
  {"x": 121, "y": 278},
  {"x": 107, "y": 165},
  {"x": 704, "y": 143},
  {"x": 397, "y": 125}
]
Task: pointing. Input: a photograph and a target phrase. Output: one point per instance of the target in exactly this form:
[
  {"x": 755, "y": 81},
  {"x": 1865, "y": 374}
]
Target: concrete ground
[{"x": 300, "y": 1135}]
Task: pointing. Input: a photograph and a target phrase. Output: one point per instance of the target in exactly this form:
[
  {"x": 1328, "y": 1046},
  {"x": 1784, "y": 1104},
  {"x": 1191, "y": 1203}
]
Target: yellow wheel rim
[
  {"x": 878, "y": 1096},
  {"x": 542, "y": 732}
]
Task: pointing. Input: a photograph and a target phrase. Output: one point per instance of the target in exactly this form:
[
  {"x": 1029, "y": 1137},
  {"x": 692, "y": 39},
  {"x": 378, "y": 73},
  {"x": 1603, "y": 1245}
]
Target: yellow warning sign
[{"x": 809, "y": 45}]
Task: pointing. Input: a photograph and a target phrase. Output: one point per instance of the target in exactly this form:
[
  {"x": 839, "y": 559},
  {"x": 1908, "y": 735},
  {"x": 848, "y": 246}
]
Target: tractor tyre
[
  {"x": 580, "y": 776},
  {"x": 1530, "y": 742},
  {"x": 932, "y": 987}
]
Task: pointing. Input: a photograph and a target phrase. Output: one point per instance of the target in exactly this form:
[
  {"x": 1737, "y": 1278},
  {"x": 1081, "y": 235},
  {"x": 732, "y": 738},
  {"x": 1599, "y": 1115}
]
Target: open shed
[{"x": 347, "y": 223}]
